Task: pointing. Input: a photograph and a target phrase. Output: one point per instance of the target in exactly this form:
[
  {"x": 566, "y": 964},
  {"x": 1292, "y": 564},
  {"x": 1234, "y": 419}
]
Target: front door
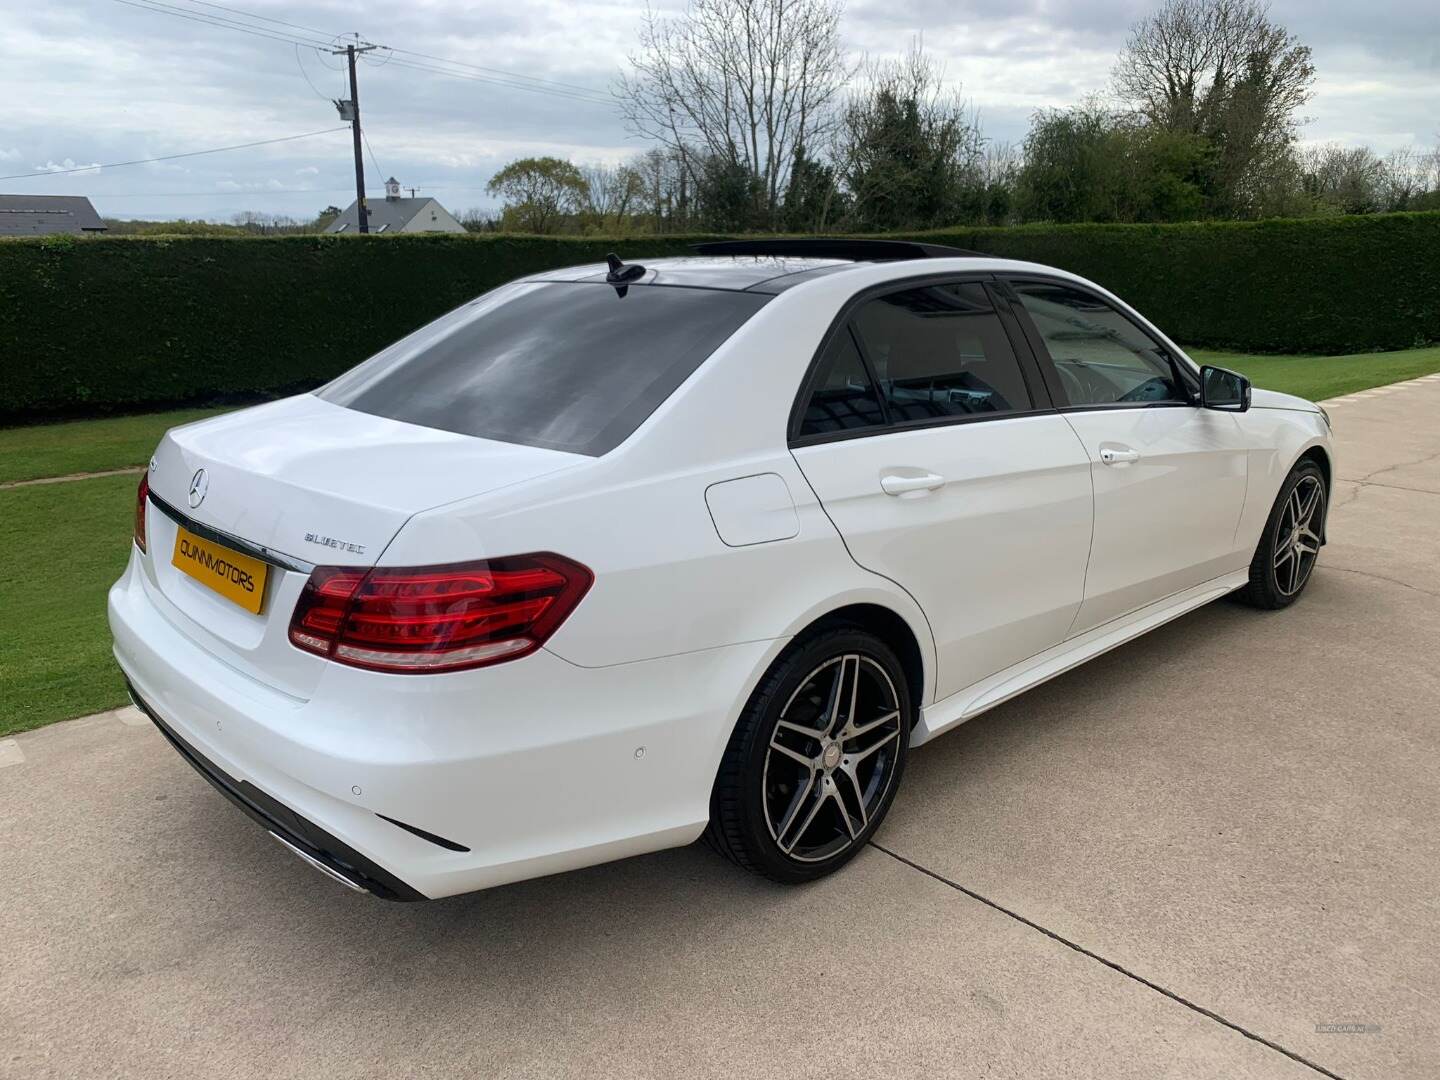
[
  {"x": 945, "y": 470},
  {"x": 1169, "y": 476}
]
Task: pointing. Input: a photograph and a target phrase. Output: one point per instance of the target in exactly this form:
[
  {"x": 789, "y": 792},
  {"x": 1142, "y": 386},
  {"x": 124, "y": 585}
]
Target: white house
[{"x": 397, "y": 215}]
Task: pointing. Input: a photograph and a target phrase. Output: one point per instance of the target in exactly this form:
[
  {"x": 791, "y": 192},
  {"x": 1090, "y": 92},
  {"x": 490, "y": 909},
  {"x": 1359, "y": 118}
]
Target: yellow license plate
[{"x": 234, "y": 576}]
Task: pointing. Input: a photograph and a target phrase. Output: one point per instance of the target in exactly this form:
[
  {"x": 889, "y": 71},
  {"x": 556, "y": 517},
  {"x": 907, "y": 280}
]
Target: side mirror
[{"x": 1223, "y": 389}]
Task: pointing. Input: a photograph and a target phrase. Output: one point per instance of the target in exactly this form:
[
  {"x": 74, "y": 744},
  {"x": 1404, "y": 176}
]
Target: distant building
[
  {"x": 48, "y": 215},
  {"x": 394, "y": 215}
]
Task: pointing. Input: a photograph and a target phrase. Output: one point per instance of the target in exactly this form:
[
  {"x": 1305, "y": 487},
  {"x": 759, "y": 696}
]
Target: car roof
[
  {"x": 732, "y": 272},
  {"x": 763, "y": 273}
]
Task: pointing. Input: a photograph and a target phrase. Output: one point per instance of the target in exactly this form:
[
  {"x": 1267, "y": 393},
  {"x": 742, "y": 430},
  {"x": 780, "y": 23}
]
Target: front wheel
[
  {"x": 815, "y": 760},
  {"x": 1290, "y": 543}
]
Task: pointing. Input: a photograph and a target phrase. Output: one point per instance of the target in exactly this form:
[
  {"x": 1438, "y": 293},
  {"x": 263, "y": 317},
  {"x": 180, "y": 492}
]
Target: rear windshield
[{"x": 563, "y": 365}]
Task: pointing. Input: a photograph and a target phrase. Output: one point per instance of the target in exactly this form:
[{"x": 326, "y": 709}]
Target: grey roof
[
  {"x": 46, "y": 215},
  {"x": 396, "y": 213}
]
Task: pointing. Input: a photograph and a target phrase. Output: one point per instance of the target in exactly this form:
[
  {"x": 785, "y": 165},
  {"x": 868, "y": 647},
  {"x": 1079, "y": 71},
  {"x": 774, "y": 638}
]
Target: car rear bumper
[
  {"x": 427, "y": 786},
  {"x": 303, "y": 838}
]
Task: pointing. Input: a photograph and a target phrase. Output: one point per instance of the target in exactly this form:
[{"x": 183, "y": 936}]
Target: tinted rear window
[
  {"x": 941, "y": 351},
  {"x": 567, "y": 366}
]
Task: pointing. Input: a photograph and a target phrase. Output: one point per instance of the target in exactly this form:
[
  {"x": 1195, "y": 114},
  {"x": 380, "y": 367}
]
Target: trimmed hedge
[
  {"x": 1324, "y": 286},
  {"x": 95, "y": 325},
  {"x": 100, "y": 324}
]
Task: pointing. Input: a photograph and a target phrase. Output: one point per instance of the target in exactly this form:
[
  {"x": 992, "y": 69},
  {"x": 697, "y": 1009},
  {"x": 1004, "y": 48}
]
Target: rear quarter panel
[{"x": 665, "y": 581}]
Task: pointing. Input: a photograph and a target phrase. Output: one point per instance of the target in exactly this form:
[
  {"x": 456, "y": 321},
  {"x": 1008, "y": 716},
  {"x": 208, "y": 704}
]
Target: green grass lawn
[
  {"x": 64, "y": 544},
  {"x": 1321, "y": 377},
  {"x": 27, "y": 453}
]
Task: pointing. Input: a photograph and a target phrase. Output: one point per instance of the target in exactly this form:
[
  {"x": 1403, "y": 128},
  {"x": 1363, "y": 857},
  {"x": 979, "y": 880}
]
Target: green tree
[
  {"x": 1089, "y": 163},
  {"x": 541, "y": 194},
  {"x": 1071, "y": 170},
  {"x": 1223, "y": 72},
  {"x": 812, "y": 198},
  {"x": 910, "y": 153},
  {"x": 729, "y": 197}
]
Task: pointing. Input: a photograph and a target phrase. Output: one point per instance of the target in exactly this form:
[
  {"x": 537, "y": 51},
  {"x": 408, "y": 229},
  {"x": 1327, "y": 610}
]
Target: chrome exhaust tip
[{"x": 334, "y": 875}]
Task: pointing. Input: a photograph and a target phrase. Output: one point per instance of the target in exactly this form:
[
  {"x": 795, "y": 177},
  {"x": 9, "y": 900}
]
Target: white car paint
[
  {"x": 1010, "y": 549},
  {"x": 1010, "y": 492},
  {"x": 1165, "y": 514}
]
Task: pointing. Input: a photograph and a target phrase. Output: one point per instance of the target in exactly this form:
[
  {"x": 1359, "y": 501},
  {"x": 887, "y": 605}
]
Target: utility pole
[{"x": 350, "y": 110}]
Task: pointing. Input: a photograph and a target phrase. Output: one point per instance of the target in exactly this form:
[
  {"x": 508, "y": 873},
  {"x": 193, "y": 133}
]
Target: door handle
[
  {"x": 903, "y": 486},
  {"x": 1113, "y": 455}
]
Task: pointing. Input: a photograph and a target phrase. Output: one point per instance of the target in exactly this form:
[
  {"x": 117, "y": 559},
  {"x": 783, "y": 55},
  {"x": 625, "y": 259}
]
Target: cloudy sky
[{"x": 100, "y": 81}]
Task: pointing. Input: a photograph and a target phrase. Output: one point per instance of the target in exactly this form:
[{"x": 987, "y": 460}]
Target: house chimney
[{"x": 392, "y": 188}]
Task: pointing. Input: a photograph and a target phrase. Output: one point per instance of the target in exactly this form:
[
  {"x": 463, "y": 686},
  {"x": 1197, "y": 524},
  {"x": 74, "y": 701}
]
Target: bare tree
[
  {"x": 741, "y": 82},
  {"x": 1223, "y": 71},
  {"x": 1343, "y": 179},
  {"x": 1407, "y": 175},
  {"x": 1184, "y": 65},
  {"x": 665, "y": 190},
  {"x": 263, "y": 224},
  {"x": 479, "y": 219},
  {"x": 1000, "y": 164},
  {"x": 1356, "y": 180},
  {"x": 612, "y": 193}
]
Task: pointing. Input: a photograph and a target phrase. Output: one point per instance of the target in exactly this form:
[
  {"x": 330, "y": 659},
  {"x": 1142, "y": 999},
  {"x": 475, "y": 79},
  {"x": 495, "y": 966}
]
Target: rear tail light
[
  {"x": 142, "y": 496},
  {"x": 436, "y": 618}
]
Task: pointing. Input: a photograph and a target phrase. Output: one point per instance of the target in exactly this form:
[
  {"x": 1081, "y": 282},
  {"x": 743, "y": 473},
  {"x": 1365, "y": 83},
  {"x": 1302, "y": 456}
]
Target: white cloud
[
  {"x": 251, "y": 185},
  {"x": 69, "y": 165},
  {"x": 108, "y": 82}
]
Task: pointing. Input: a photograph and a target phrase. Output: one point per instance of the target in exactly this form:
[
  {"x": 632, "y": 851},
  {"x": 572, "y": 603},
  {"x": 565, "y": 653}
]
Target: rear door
[
  {"x": 927, "y": 435},
  {"x": 1169, "y": 476}
]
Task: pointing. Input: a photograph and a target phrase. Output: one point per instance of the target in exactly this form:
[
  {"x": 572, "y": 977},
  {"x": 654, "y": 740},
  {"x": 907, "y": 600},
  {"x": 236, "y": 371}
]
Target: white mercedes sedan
[{"x": 614, "y": 557}]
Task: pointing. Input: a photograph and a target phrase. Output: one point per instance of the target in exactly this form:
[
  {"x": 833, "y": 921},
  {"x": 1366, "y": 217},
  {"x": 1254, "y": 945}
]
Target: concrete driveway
[{"x": 1213, "y": 852}]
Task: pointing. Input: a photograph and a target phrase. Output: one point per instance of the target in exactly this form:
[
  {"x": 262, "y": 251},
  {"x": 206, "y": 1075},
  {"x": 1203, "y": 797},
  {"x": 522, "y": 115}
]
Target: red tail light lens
[
  {"x": 436, "y": 618},
  {"x": 142, "y": 496}
]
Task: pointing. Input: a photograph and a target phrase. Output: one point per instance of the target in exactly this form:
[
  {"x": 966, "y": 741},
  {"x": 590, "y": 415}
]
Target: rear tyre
[
  {"x": 1290, "y": 543},
  {"x": 815, "y": 760}
]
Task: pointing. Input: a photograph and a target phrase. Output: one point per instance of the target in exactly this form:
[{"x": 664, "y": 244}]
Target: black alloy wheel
[
  {"x": 815, "y": 761},
  {"x": 1290, "y": 544}
]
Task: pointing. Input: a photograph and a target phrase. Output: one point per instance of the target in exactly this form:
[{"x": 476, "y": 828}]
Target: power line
[
  {"x": 566, "y": 94},
  {"x": 261, "y": 18},
  {"x": 494, "y": 76},
  {"x": 498, "y": 71},
  {"x": 216, "y": 194},
  {"x": 317, "y": 42},
  {"x": 216, "y": 20},
  {"x": 171, "y": 157},
  {"x": 259, "y": 192},
  {"x": 371, "y": 152},
  {"x": 305, "y": 75},
  {"x": 314, "y": 38},
  {"x": 213, "y": 194},
  {"x": 496, "y": 81}
]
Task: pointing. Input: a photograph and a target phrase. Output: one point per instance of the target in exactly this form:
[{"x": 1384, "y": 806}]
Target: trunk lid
[
  {"x": 293, "y": 473},
  {"x": 309, "y": 482}
]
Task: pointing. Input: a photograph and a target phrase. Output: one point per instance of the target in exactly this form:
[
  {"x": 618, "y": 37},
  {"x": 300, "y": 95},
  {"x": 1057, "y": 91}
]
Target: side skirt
[{"x": 1016, "y": 679}]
